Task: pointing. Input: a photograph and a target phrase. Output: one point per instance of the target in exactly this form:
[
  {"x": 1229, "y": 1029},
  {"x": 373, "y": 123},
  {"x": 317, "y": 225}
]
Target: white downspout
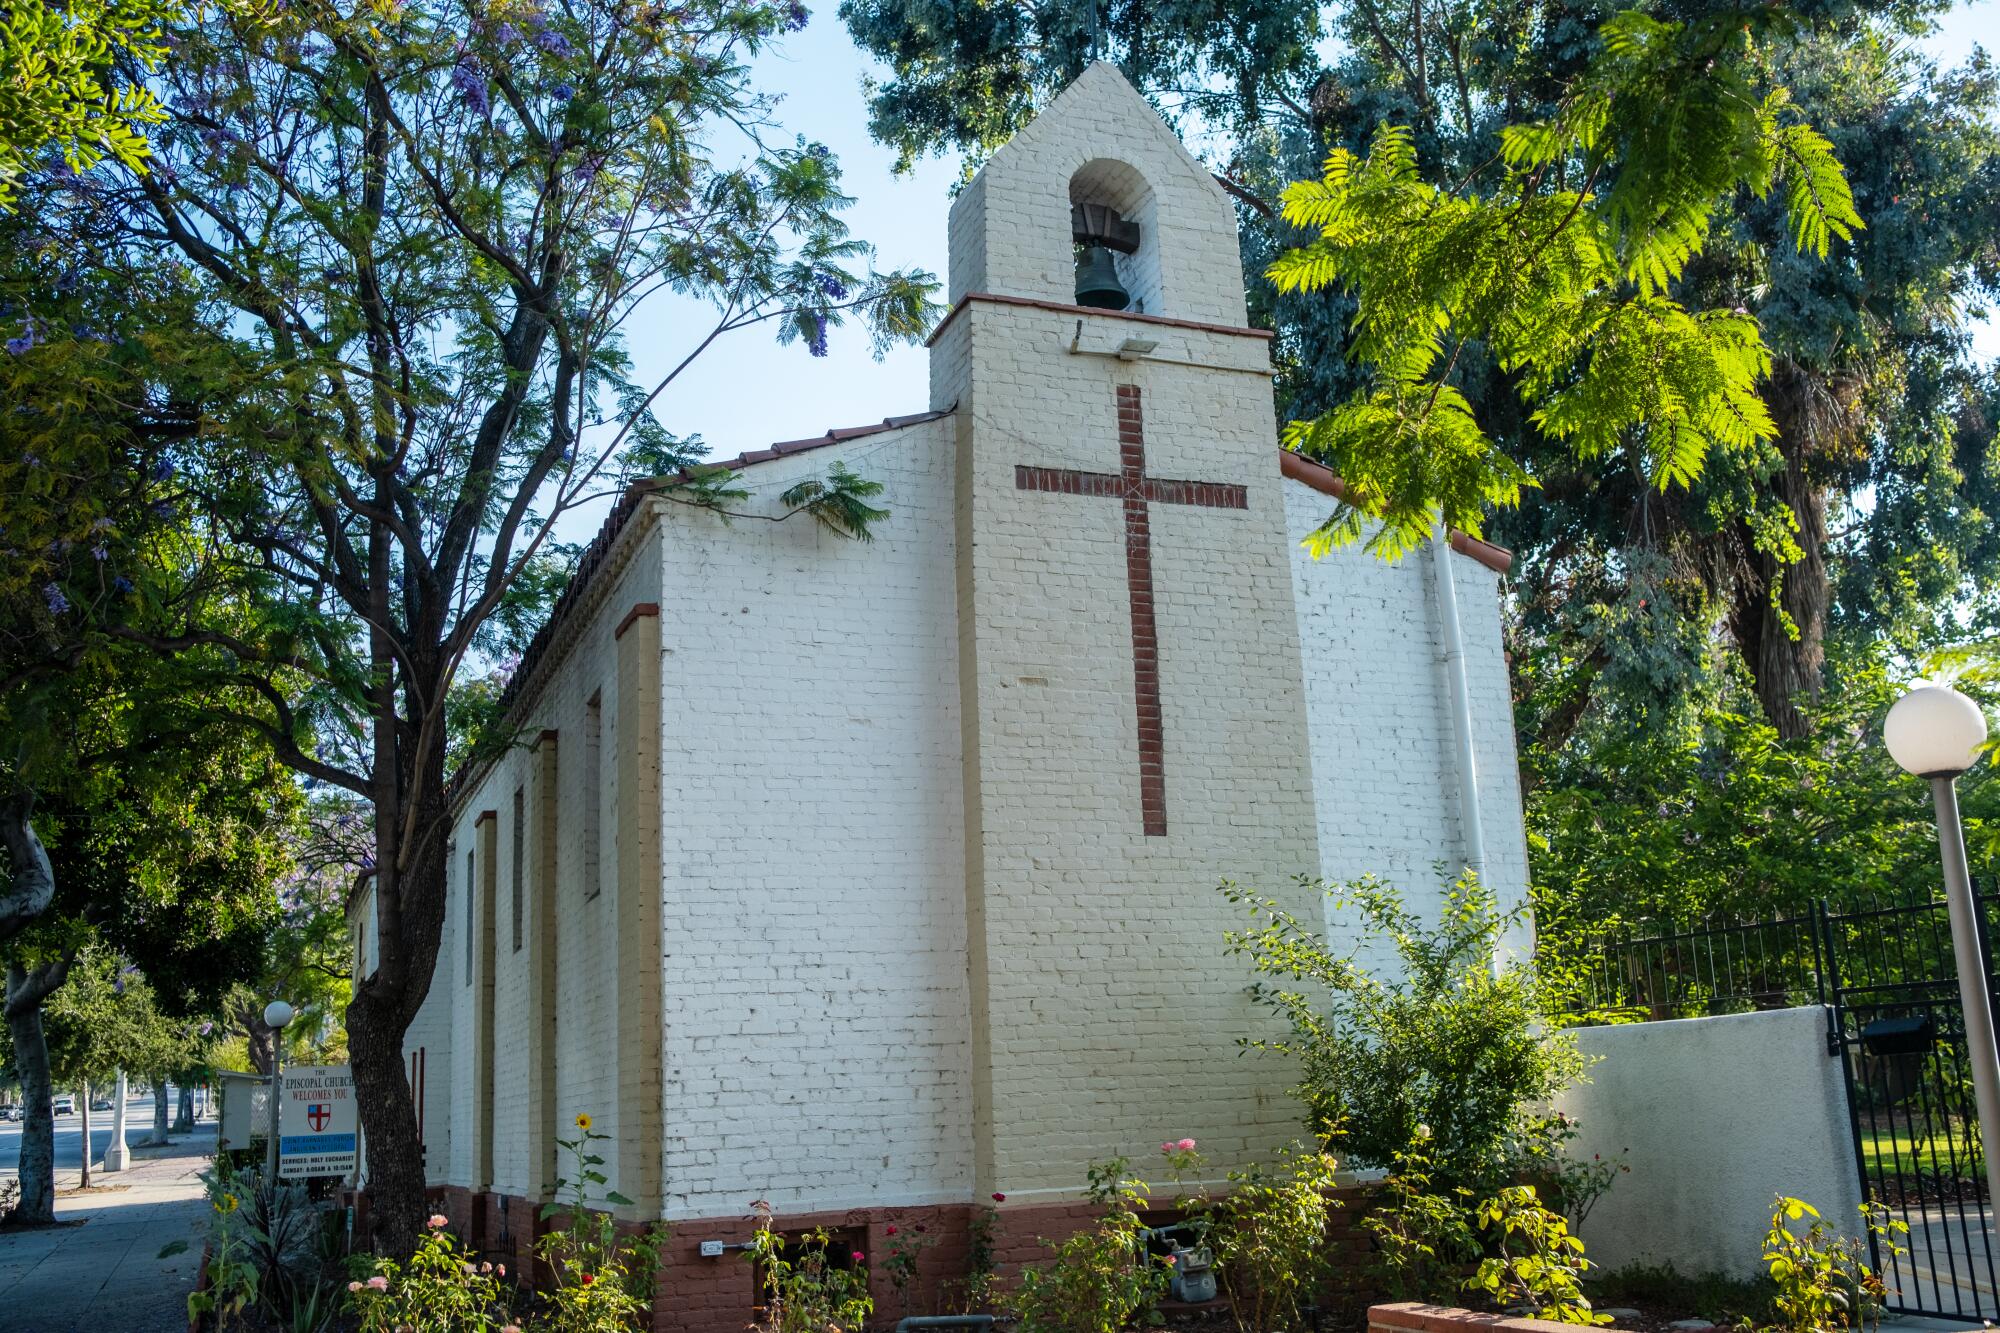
[{"x": 1471, "y": 825}]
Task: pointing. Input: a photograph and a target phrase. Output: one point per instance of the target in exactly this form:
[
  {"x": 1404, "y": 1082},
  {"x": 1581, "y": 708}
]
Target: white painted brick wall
[
  {"x": 817, "y": 1032},
  {"x": 586, "y": 979},
  {"x": 1379, "y": 710}
]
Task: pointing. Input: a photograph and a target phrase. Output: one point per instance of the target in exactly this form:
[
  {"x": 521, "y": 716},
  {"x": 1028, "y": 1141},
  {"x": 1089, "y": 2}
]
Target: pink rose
[
  {"x": 437, "y": 1221},
  {"x": 999, "y": 1197},
  {"x": 1166, "y": 1147},
  {"x": 1185, "y": 1145},
  {"x": 354, "y": 1286},
  {"x": 486, "y": 1268},
  {"x": 1167, "y": 1259},
  {"x": 501, "y": 1270},
  {"x": 859, "y": 1257},
  {"x": 378, "y": 1283}
]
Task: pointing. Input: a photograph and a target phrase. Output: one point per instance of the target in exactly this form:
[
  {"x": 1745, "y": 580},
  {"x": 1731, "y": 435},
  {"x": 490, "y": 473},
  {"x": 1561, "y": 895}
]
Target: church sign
[{"x": 317, "y": 1123}]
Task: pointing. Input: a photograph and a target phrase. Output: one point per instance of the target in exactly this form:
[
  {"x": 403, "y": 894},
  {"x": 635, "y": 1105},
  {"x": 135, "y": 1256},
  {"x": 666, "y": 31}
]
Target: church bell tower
[{"x": 1130, "y": 681}]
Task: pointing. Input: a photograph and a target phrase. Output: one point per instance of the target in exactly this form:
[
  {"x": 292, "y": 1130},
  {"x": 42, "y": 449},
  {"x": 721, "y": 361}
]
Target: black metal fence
[{"x": 1650, "y": 972}]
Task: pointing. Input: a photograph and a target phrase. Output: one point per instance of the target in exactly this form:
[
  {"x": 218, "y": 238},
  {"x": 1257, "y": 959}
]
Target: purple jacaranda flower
[
  {"x": 796, "y": 16},
  {"x": 471, "y": 87},
  {"x": 506, "y": 34},
  {"x": 831, "y": 287},
  {"x": 31, "y": 335},
  {"x": 121, "y": 585},
  {"x": 562, "y": 92},
  {"x": 163, "y": 470},
  {"x": 54, "y": 597},
  {"x": 820, "y": 151},
  {"x": 32, "y": 460},
  {"x": 586, "y": 168},
  {"x": 100, "y": 525},
  {"x": 98, "y": 552},
  {"x": 817, "y": 343},
  {"x": 554, "y": 43},
  {"x": 207, "y": 1027},
  {"x": 118, "y": 986}
]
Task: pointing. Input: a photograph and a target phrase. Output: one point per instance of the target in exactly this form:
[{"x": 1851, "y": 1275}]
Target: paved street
[
  {"x": 69, "y": 1135},
  {"x": 105, "y": 1274}
]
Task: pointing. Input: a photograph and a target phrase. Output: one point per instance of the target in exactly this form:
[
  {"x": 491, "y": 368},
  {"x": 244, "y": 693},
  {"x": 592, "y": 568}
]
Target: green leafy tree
[
  {"x": 66, "y": 82},
  {"x": 159, "y": 847},
  {"x": 1559, "y": 268},
  {"x": 423, "y": 230}
]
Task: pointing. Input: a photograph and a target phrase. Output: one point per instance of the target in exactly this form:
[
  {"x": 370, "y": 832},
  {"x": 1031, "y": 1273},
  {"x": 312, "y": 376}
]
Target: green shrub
[
  {"x": 1823, "y": 1279},
  {"x": 1437, "y": 1037},
  {"x": 441, "y": 1287},
  {"x": 1533, "y": 1260},
  {"x": 804, "y": 1289},
  {"x": 1424, "y": 1239},
  {"x": 603, "y": 1281},
  {"x": 1099, "y": 1280},
  {"x": 1270, "y": 1239}
]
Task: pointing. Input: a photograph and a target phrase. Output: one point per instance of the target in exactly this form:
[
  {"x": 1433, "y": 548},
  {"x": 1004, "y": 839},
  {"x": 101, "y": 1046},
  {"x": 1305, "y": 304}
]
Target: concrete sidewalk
[{"x": 105, "y": 1276}]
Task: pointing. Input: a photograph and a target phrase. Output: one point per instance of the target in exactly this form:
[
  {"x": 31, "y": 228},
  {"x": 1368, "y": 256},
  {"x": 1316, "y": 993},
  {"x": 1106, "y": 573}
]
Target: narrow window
[
  {"x": 593, "y": 792},
  {"x": 520, "y": 821},
  {"x": 469, "y": 882}
]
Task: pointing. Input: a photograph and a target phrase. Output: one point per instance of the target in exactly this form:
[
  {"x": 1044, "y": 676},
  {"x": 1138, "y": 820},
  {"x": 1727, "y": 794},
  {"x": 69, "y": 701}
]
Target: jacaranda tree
[{"x": 427, "y": 225}]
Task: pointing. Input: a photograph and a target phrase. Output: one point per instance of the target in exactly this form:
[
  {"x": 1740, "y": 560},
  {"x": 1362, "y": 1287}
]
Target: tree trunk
[
  {"x": 31, "y": 881},
  {"x": 1784, "y": 644},
  {"x": 83, "y": 1109},
  {"x": 37, "y": 1204},
  {"x": 409, "y": 914},
  {"x": 258, "y": 1036},
  {"x": 158, "y": 1136}
]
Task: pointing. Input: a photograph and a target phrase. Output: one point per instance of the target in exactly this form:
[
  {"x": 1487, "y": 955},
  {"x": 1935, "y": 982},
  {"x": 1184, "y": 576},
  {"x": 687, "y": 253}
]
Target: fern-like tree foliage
[{"x": 1557, "y": 259}]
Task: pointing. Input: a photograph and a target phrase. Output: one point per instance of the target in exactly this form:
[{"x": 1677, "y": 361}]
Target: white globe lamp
[
  {"x": 1936, "y": 733},
  {"x": 277, "y": 1013}
]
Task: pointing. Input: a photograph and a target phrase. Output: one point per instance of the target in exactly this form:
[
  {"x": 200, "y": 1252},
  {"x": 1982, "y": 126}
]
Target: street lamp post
[
  {"x": 276, "y": 1014},
  {"x": 1935, "y": 733}
]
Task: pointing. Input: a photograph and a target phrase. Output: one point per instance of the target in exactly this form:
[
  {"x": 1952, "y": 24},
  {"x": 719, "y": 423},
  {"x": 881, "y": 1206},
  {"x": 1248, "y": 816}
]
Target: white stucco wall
[
  {"x": 1715, "y": 1116},
  {"x": 817, "y": 1032},
  {"x": 1378, "y": 706}
]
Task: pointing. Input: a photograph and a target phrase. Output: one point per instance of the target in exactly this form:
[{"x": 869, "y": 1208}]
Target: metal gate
[
  {"x": 1899, "y": 1031},
  {"x": 1889, "y": 980}
]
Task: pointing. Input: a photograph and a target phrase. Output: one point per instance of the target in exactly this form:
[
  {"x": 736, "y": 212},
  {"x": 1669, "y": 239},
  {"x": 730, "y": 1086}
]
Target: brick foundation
[{"x": 719, "y": 1295}]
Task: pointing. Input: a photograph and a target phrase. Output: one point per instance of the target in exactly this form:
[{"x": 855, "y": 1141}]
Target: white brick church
[{"x": 870, "y": 877}]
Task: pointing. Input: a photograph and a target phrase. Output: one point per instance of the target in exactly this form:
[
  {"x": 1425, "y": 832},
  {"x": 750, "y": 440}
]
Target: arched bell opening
[{"x": 1113, "y": 227}]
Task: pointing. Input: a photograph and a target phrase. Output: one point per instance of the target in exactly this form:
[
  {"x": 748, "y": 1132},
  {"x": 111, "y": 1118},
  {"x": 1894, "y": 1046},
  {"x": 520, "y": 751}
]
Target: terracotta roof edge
[{"x": 1324, "y": 480}]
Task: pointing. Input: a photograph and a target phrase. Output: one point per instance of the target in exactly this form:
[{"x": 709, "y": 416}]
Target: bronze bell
[{"x": 1097, "y": 284}]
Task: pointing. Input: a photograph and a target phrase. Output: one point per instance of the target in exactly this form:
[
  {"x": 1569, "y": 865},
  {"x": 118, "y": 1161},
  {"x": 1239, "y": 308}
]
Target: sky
[{"x": 747, "y": 392}]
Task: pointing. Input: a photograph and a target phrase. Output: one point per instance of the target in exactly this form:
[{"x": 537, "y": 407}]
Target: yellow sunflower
[
  {"x": 226, "y": 1204},
  {"x": 582, "y": 1120}
]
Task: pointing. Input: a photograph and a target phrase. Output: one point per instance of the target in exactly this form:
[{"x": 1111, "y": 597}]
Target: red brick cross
[{"x": 1131, "y": 484}]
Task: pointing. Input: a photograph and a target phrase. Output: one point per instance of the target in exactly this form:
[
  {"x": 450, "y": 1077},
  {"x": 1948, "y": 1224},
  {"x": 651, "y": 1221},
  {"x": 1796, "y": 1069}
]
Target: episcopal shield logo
[{"x": 317, "y": 1115}]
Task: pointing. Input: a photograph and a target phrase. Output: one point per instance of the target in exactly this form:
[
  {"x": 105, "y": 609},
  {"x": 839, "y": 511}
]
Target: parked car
[
  {"x": 101, "y": 1104},
  {"x": 64, "y": 1105},
  {"x": 11, "y": 1113}
]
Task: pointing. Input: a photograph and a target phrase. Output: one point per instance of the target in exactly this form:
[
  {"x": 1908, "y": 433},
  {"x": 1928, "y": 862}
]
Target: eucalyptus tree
[{"x": 428, "y": 225}]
